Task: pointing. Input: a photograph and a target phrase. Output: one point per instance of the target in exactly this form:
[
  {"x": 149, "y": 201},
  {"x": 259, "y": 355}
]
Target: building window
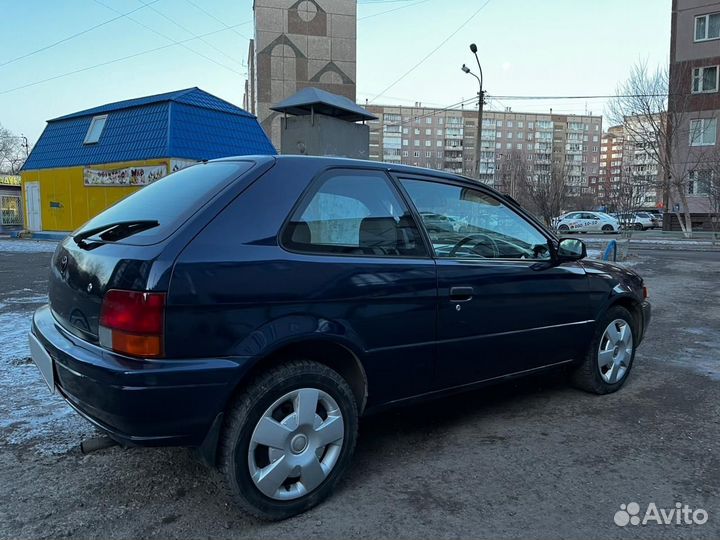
[
  {"x": 416, "y": 154},
  {"x": 97, "y": 124},
  {"x": 703, "y": 132},
  {"x": 405, "y": 153},
  {"x": 428, "y": 143},
  {"x": 705, "y": 79},
  {"x": 508, "y": 146},
  {"x": 406, "y": 131},
  {"x": 509, "y": 135},
  {"x": 498, "y": 123},
  {"x": 700, "y": 182},
  {"x": 519, "y": 146},
  {"x": 498, "y": 145},
  {"x": 405, "y": 142},
  {"x": 428, "y": 154},
  {"x": 439, "y": 154},
  {"x": 707, "y": 27},
  {"x": 438, "y": 131},
  {"x": 416, "y": 143},
  {"x": 428, "y": 132},
  {"x": 439, "y": 143},
  {"x": 531, "y": 125},
  {"x": 509, "y": 123},
  {"x": 417, "y": 131},
  {"x": 520, "y": 125},
  {"x": 428, "y": 120}
]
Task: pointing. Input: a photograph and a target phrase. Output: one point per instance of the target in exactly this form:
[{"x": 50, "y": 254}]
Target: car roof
[{"x": 319, "y": 162}]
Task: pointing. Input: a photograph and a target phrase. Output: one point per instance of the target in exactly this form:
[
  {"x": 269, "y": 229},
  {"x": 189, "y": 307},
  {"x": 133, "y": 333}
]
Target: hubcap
[
  {"x": 615, "y": 351},
  {"x": 295, "y": 444}
]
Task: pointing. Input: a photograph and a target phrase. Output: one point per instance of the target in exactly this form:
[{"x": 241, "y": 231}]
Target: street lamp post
[{"x": 481, "y": 100}]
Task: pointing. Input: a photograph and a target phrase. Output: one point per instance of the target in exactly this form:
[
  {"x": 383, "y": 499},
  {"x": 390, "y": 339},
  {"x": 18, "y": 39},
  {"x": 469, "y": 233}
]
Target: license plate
[{"x": 43, "y": 361}]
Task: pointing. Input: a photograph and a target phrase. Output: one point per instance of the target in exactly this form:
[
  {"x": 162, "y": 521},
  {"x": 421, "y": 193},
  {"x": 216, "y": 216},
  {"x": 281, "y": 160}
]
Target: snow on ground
[
  {"x": 32, "y": 415},
  {"x": 29, "y": 414},
  {"x": 27, "y": 246}
]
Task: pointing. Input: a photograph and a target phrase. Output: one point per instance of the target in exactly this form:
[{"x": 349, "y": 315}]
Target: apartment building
[
  {"x": 444, "y": 139},
  {"x": 628, "y": 168},
  {"x": 695, "y": 99}
]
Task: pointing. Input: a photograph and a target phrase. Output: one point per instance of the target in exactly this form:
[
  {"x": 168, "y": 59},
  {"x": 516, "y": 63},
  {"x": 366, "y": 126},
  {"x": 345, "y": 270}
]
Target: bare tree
[
  {"x": 545, "y": 190},
  {"x": 708, "y": 182},
  {"x": 655, "y": 111},
  {"x": 514, "y": 167},
  {"x": 12, "y": 152}
]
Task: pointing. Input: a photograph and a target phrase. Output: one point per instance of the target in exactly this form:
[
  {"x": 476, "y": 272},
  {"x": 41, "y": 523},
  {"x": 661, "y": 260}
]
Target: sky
[{"x": 526, "y": 48}]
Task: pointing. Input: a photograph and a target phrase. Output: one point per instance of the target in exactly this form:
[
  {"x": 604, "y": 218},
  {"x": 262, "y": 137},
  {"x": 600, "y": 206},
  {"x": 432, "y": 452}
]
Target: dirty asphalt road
[{"x": 530, "y": 458}]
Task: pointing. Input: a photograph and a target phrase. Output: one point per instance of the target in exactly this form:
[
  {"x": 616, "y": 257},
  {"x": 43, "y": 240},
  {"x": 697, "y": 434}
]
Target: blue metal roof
[{"x": 190, "y": 124}]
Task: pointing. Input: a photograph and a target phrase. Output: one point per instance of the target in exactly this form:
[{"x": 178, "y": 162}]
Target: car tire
[
  {"x": 564, "y": 229},
  {"x": 639, "y": 227},
  {"x": 276, "y": 407},
  {"x": 606, "y": 353},
  {"x": 607, "y": 228}
]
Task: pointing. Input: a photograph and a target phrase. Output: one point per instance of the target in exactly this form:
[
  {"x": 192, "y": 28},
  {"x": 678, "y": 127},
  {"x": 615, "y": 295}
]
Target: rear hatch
[{"x": 118, "y": 248}]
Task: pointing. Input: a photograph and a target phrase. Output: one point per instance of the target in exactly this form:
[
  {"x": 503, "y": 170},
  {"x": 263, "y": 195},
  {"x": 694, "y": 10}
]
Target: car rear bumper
[{"x": 137, "y": 401}]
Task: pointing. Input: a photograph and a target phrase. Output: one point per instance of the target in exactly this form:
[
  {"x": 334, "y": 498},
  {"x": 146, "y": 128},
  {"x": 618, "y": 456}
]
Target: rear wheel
[
  {"x": 610, "y": 356},
  {"x": 607, "y": 228},
  {"x": 639, "y": 227},
  {"x": 288, "y": 439}
]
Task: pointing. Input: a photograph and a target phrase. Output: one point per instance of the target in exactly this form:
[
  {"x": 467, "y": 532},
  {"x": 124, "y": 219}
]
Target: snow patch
[
  {"x": 27, "y": 246},
  {"x": 29, "y": 414}
]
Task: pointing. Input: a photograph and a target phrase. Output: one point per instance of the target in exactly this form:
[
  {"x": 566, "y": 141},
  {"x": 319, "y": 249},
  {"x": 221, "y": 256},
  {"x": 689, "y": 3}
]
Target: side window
[
  {"x": 465, "y": 223},
  {"x": 590, "y": 216},
  {"x": 353, "y": 213},
  {"x": 574, "y": 215}
]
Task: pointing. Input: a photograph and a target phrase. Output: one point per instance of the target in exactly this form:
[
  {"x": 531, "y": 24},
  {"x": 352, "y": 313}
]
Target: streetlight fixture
[{"x": 481, "y": 100}]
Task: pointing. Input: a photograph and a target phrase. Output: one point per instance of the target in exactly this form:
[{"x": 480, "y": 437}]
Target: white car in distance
[{"x": 587, "y": 222}]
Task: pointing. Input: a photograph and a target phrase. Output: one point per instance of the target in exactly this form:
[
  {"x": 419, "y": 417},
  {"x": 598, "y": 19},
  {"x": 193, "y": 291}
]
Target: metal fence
[{"x": 10, "y": 210}]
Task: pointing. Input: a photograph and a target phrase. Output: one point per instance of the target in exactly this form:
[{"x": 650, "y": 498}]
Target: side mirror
[{"x": 571, "y": 249}]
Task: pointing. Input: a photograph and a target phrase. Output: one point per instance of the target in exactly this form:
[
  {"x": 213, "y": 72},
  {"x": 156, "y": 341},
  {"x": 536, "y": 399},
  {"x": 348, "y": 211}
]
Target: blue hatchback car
[{"x": 255, "y": 307}]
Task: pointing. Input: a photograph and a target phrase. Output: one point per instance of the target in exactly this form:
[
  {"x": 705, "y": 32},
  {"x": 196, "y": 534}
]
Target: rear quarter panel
[{"x": 235, "y": 292}]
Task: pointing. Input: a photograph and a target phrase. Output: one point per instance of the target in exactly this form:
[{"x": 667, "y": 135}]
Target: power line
[
  {"x": 434, "y": 112},
  {"x": 206, "y": 12},
  {"x": 463, "y": 25},
  {"x": 73, "y": 36},
  {"x": 174, "y": 41},
  {"x": 579, "y": 97},
  {"x": 418, "y": 2},
  {"x": 189, "y": 31},
  {"x": 128, "y": 57}
]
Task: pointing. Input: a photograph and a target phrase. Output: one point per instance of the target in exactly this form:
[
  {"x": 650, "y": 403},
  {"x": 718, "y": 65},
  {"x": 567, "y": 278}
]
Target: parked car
[
  {"x": 640, "y": 221},
  {"x": 254, "y": 307},
  {"x": 587, "y": 222}
]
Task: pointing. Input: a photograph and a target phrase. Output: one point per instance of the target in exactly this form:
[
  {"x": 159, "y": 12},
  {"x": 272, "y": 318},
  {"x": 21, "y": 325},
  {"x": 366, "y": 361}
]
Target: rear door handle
[{"x": 461, "y": 294}]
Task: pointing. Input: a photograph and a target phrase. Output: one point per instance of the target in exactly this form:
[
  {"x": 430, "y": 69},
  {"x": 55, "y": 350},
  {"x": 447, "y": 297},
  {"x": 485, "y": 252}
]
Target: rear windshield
[{"x": 171, "y": 200}]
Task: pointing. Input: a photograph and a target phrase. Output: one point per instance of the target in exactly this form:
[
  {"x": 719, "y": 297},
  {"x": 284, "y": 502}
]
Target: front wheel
[
  {"x": 610, "y": 356},
  {"x": 288, "y": 438},
  {"x": 564, "y": 229}
]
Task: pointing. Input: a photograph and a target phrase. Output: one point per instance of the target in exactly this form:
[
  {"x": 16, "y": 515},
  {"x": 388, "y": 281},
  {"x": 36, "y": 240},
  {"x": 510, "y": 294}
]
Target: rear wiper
[{"x": 116, "y": 231}]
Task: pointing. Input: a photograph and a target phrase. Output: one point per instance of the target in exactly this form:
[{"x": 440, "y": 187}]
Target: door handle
[{"x": 461, "y": 294}]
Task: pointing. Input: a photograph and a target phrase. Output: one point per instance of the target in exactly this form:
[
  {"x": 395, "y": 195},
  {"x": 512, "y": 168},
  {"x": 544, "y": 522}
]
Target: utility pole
[{"x": 481, "y": 102}]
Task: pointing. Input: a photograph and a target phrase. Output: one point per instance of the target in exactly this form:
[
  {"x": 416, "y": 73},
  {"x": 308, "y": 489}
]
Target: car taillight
[
  {"x": 645, "y": 293},
  {"x": 132, "y": 322}
]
